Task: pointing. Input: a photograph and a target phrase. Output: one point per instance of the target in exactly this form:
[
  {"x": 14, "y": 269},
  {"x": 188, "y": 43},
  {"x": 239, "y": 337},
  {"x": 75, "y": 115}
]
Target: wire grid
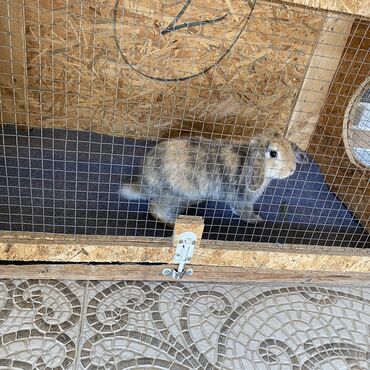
[
  {"x": 359, "y": 126},
  {"x": 64, "y": 175}
]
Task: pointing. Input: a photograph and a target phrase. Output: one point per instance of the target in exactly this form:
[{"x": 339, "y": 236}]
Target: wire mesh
[{"x": 94, "y": 86}]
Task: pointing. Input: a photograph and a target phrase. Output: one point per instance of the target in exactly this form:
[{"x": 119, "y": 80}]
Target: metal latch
[{"x": 184, "y": 252}]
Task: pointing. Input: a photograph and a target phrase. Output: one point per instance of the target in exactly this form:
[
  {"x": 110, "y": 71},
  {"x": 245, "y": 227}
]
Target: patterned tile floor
[{"x": 134, "y": 325}]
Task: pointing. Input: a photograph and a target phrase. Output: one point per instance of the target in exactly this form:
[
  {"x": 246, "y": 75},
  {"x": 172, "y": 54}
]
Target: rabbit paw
[
  {"x": 163, "y": 213},
  {"x": 254, "y": 218},
  {"x": 247, "y": 215}
]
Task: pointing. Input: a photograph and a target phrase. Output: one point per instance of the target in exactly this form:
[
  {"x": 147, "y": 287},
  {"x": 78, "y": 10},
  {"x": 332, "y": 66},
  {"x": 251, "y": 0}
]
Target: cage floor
[
  {"x": 64, "y": 181},
  {"x": 79, "y": 325}
]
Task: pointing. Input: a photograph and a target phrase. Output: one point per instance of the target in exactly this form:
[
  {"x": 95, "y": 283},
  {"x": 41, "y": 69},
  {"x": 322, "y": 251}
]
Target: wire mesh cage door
[{"x": 209, "y": 96}]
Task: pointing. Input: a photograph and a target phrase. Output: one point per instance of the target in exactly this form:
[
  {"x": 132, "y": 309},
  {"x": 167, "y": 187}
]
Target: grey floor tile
[
  {"x": 39, "y": 323},
  {"x": 136, "y": 325}
]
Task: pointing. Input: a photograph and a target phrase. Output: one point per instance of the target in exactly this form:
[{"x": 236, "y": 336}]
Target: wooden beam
[
  {"x": 355, "y": 7},
  {"x": 183, "y": 223},
  {"x": 154, "y": 273},
  {"x": 319, "y": 75},
  {"x": 13, "y": 87},
  {"x": 21, "y": 246}
]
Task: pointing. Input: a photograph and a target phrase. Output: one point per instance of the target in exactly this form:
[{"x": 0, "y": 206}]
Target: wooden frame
[
  {"x": 355, "y": 7},
  {"x": 212, "y": 260},
  {"x": 78, "y": 271},
  {"x": 13, "y": 65},
  {"x": 319, "y": 75},
  {"x": 22, "y": 246}
]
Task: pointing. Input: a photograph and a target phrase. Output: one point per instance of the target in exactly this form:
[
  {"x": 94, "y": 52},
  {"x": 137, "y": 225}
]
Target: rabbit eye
[{"x": 273, "y": 153}]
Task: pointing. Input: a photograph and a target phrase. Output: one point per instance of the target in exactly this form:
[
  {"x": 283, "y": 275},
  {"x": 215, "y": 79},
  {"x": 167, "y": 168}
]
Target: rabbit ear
[
  {"x": 256, "y": 171},
  {"x": 300, "y": 155}
]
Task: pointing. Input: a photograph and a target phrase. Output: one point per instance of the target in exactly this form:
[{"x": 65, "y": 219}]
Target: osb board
[
  {"x": 66, "y": 248},
  {"x": 13, "y": 95},
  {"x": 358, "y": 7},
  {"x": 349, "y": 181},
  {"x": 78, "y": 78}
]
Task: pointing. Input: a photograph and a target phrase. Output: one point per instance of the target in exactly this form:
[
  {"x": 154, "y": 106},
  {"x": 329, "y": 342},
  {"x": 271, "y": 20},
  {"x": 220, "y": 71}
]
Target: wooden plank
[
  {"x": 154, "y": 273},
  {"x": 319, "y": 75},
  {"x": 77, "y": 54},
  {"x": 183, "y": 223},
  {"x": 66, "y": 248},
  {"x": 360, "y": 139},
  {"x": 355, "y": 7},
  {"x": 13, "y": 94}
]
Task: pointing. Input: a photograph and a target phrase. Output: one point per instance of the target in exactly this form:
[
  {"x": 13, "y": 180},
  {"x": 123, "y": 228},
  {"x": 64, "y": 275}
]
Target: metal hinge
[{"x": 184, "y": 252}]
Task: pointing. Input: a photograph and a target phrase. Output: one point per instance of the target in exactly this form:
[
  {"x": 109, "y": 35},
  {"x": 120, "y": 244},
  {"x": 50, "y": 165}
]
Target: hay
[{"x": 77, "y": 77}]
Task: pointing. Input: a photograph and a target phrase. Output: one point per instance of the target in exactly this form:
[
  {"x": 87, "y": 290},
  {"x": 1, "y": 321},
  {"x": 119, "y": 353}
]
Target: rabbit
[{"x": 180, "y": 172}]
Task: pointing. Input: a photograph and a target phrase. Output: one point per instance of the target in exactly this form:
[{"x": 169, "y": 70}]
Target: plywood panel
[
  {"x": 67, "y": 248},
  {"x": 104, "y": 66}
]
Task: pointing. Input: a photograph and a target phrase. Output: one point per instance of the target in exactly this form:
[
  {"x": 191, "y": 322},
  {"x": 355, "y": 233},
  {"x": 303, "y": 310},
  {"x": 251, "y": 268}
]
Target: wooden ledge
[
  {"x": 233, "y": 275},
  {"x": 355, "y": 7},
  {"x": 29, "y": 247}
]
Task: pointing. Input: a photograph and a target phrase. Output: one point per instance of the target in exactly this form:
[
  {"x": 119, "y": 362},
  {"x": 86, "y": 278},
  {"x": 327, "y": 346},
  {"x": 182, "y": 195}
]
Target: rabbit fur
[{"x": 180, "y": 172}]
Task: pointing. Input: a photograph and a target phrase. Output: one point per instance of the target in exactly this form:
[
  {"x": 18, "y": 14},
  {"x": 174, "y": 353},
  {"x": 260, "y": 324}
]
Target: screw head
[
  {"x": 166, "y": 272},
  {"x": 189, "y": 272},
  {"x": 181, "y": 241}
]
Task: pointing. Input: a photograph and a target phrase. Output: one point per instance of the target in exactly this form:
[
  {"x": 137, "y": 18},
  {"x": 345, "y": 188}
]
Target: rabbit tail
[{"x": 132, "y": 192}]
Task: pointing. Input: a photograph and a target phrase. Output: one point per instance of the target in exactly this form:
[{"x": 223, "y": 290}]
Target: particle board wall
[
  {"x": 77, "y": 77},
  {"x": 13, "y": 92},
  {"x": 349, "y": 181}
]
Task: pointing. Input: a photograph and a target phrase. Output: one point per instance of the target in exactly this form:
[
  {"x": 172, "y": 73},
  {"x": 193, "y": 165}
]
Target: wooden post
[
  {"x": 13, "y": 87},
  {"x": 194, "y": 224},
  {"x": 356, "y": 7},
  {"x": 319, "y": 75}
]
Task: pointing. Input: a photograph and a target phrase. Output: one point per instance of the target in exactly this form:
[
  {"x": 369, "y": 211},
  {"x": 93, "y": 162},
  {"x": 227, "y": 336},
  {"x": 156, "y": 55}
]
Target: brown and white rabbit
[{"x": 180, "y": 172}]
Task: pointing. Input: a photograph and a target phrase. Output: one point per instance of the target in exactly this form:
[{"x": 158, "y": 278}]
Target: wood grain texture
[
  {"x": 319, "y": 75},
  {"x": 77, "y": 78},
  {"x": 356, "y": 7},
  {"x": 13, "y": 94},
  {"x": 67, "y": 248},
  {"x": 183, "y": 223},
  {"x": 154, "y": 273},
  {"x": 347, "y": 180}
]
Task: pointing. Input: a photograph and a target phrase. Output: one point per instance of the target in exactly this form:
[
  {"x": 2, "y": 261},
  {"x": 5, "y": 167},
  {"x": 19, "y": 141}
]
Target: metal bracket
[{"x": 184, "y": 252}]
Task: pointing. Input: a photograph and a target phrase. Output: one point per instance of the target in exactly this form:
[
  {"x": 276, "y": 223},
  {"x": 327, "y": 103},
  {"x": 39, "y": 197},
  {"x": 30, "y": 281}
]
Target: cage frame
[
  {"x": 142, "y": 258},
  {"x": 24, "y": 255}
]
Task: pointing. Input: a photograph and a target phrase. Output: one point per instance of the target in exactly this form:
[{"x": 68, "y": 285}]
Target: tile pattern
[{"x": 61, "y": 325}]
